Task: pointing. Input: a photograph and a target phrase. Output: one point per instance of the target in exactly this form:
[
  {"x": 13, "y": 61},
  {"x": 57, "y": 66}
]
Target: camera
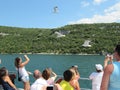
[
  {"x": 110, "y": 56},
  {"x": 49, "y": 87}
]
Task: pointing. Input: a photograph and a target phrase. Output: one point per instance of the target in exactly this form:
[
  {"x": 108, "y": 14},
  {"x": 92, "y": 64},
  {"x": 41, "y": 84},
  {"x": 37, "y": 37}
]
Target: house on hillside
[{"x": 3, "y": 34}]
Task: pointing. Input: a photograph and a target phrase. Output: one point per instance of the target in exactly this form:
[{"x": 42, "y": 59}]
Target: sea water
[{"x": 58, "y": 63}]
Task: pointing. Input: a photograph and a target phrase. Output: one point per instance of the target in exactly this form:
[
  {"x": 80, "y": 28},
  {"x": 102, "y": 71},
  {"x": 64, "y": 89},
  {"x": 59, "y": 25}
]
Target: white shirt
[
  {"x": 96, "y": 80},
  {"x": 23, "y": 72},
  {"x": 38, "y": 84}
]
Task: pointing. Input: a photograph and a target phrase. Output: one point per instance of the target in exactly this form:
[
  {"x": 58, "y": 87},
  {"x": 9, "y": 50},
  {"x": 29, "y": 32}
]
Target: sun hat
[{"x": 99, "y": 66}]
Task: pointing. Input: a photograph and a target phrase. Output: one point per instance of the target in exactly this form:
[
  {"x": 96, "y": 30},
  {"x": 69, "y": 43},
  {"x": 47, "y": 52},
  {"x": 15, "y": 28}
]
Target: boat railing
[
  {"x": 85, "y": 89},
  {"x": 82, "y": 78}
]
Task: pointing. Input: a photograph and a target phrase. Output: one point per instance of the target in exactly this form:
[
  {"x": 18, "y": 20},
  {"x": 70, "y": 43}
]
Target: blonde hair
[{"x": 74, "y": 73}]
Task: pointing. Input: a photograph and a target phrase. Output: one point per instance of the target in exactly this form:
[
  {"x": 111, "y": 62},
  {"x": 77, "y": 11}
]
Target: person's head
[
  {"x": 46, "y": 73},
  {"x": 37, "y": 74},
  {"x": 99, "y": 67},
  {"x": 68, "y": 75},
  {"x": 3, "y": 72},
  {"x": 74, "y": 73},
  {"x": 75, "y": 67},
  {"x": 17, "y": 62},
  {"x": 117, "y": 52}
]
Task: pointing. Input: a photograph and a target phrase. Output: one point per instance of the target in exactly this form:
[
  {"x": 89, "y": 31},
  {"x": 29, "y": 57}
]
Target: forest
[{"x": 69, "y": 39}]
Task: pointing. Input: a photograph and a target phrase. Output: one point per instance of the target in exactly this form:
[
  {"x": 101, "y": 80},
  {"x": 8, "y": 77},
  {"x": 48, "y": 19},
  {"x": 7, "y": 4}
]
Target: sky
[{"x": 42, "y": 14}]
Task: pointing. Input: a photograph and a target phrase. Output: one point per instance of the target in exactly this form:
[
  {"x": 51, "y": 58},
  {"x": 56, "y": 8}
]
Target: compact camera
[{"x": 49, "y": 87}]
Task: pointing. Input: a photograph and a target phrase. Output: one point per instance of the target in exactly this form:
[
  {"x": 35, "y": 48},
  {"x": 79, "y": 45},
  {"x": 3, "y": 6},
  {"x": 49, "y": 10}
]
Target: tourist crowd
[{"x": 104, "y": 78}]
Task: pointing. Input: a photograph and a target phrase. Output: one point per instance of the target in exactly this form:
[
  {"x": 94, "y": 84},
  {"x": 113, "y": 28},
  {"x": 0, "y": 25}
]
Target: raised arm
[
  {"x": 26, "y": 61},
  {"x": 54, "y": 75},
  {"x": 10, "y": 82},
  {"x": 108, "y": 58},
  {"x": 105, "y": 80}
]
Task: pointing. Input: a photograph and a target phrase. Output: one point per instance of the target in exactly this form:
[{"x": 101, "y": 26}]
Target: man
[
  {"x": 40, "y": 82},
  {"x": 96, "y": 77}
]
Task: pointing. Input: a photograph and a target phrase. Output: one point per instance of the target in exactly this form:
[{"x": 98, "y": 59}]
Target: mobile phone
[{"x": 49, "y": 87}]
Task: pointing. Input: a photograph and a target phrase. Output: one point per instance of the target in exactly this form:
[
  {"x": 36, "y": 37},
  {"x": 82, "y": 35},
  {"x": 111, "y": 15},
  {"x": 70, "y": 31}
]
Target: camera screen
[{"x": 49, "y": 87}]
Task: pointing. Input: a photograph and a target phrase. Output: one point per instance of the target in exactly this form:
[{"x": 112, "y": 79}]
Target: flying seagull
[{"x": 55, "y": 9}]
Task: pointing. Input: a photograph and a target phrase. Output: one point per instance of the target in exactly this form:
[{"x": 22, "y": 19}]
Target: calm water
[{"x": 58, "y": 63}]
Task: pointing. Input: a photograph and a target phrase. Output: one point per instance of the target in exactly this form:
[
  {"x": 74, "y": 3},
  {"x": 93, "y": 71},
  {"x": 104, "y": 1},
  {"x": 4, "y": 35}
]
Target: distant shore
[{"x": 52, "y": 53}]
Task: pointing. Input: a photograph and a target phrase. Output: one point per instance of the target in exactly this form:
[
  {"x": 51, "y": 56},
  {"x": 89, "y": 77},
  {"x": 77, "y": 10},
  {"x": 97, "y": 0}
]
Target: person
[
  {"x": 22, "y": 71},
  {"x": 75, "y": 67},
  {"x": 49, "y": 75},
  {"x": 65, "y": 83},
  {"x": 111, "y": 76},
  {"x": 40, "y": 82},
  {"x": 5, "y": 80},
  {"x": 108, "y": 59},
  {"x": 96, "y": 77},
  {"x": 57, "y": 87},
  {"x": 74, "y": 82}
]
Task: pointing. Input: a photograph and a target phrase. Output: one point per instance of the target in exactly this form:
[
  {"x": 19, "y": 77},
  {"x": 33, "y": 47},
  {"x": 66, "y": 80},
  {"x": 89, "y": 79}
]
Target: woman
[
  {"x": 22, "y": 71},
  {"x": 49, "y": 75},
  {"x": 5, "y": 80},
  {"x": 111, "y": 76},
  {"x": 74, "y": 82},
  {"x": 75, "y": 67}
]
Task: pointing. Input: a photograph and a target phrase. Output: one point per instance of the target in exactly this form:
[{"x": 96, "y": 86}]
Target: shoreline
[{"x": 50, "y": 53}]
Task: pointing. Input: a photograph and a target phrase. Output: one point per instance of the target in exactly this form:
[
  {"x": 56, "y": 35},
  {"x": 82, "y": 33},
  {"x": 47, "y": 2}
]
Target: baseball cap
[{"x": 99, "y": 67}]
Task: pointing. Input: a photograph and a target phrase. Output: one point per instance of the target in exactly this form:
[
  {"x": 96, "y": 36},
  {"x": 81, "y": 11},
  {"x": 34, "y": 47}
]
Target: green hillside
[{"x": 68, "y": 39}]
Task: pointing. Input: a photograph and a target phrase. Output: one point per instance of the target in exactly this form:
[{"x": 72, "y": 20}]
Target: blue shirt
[{"x": 114, "y": 83}]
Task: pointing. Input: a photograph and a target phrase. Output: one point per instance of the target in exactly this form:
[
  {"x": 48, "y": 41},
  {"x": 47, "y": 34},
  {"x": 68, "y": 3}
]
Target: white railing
[
  {"x": 81, "y": 78},
  {"x": 85, "y": 89}
]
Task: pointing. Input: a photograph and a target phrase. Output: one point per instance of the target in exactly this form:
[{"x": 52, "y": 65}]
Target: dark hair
[
  {"x": 117, "y": 49},
  {"x": 68, "y": 74},
  {"x": 46, "y": 73},
  {"x": 17, "y": 61},
  {"x": 3, "y": 71},
  {"x": 98, "y": 70}
]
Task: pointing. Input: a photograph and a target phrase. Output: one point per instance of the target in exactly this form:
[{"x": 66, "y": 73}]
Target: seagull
[{"x": 55, "y": 9}]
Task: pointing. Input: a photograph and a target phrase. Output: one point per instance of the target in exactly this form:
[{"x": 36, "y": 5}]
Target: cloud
[
  {"x": 111, "y": 14},
  {"x": 85, "y": 4},
  {"x": 97, "y": 2}
]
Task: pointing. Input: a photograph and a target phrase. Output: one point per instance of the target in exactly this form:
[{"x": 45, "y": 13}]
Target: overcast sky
[{"x": 44, "y": 14}]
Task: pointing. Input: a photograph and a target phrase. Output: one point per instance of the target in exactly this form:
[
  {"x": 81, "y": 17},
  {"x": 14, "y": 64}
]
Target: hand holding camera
[{"x": 109, "y": 58}]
